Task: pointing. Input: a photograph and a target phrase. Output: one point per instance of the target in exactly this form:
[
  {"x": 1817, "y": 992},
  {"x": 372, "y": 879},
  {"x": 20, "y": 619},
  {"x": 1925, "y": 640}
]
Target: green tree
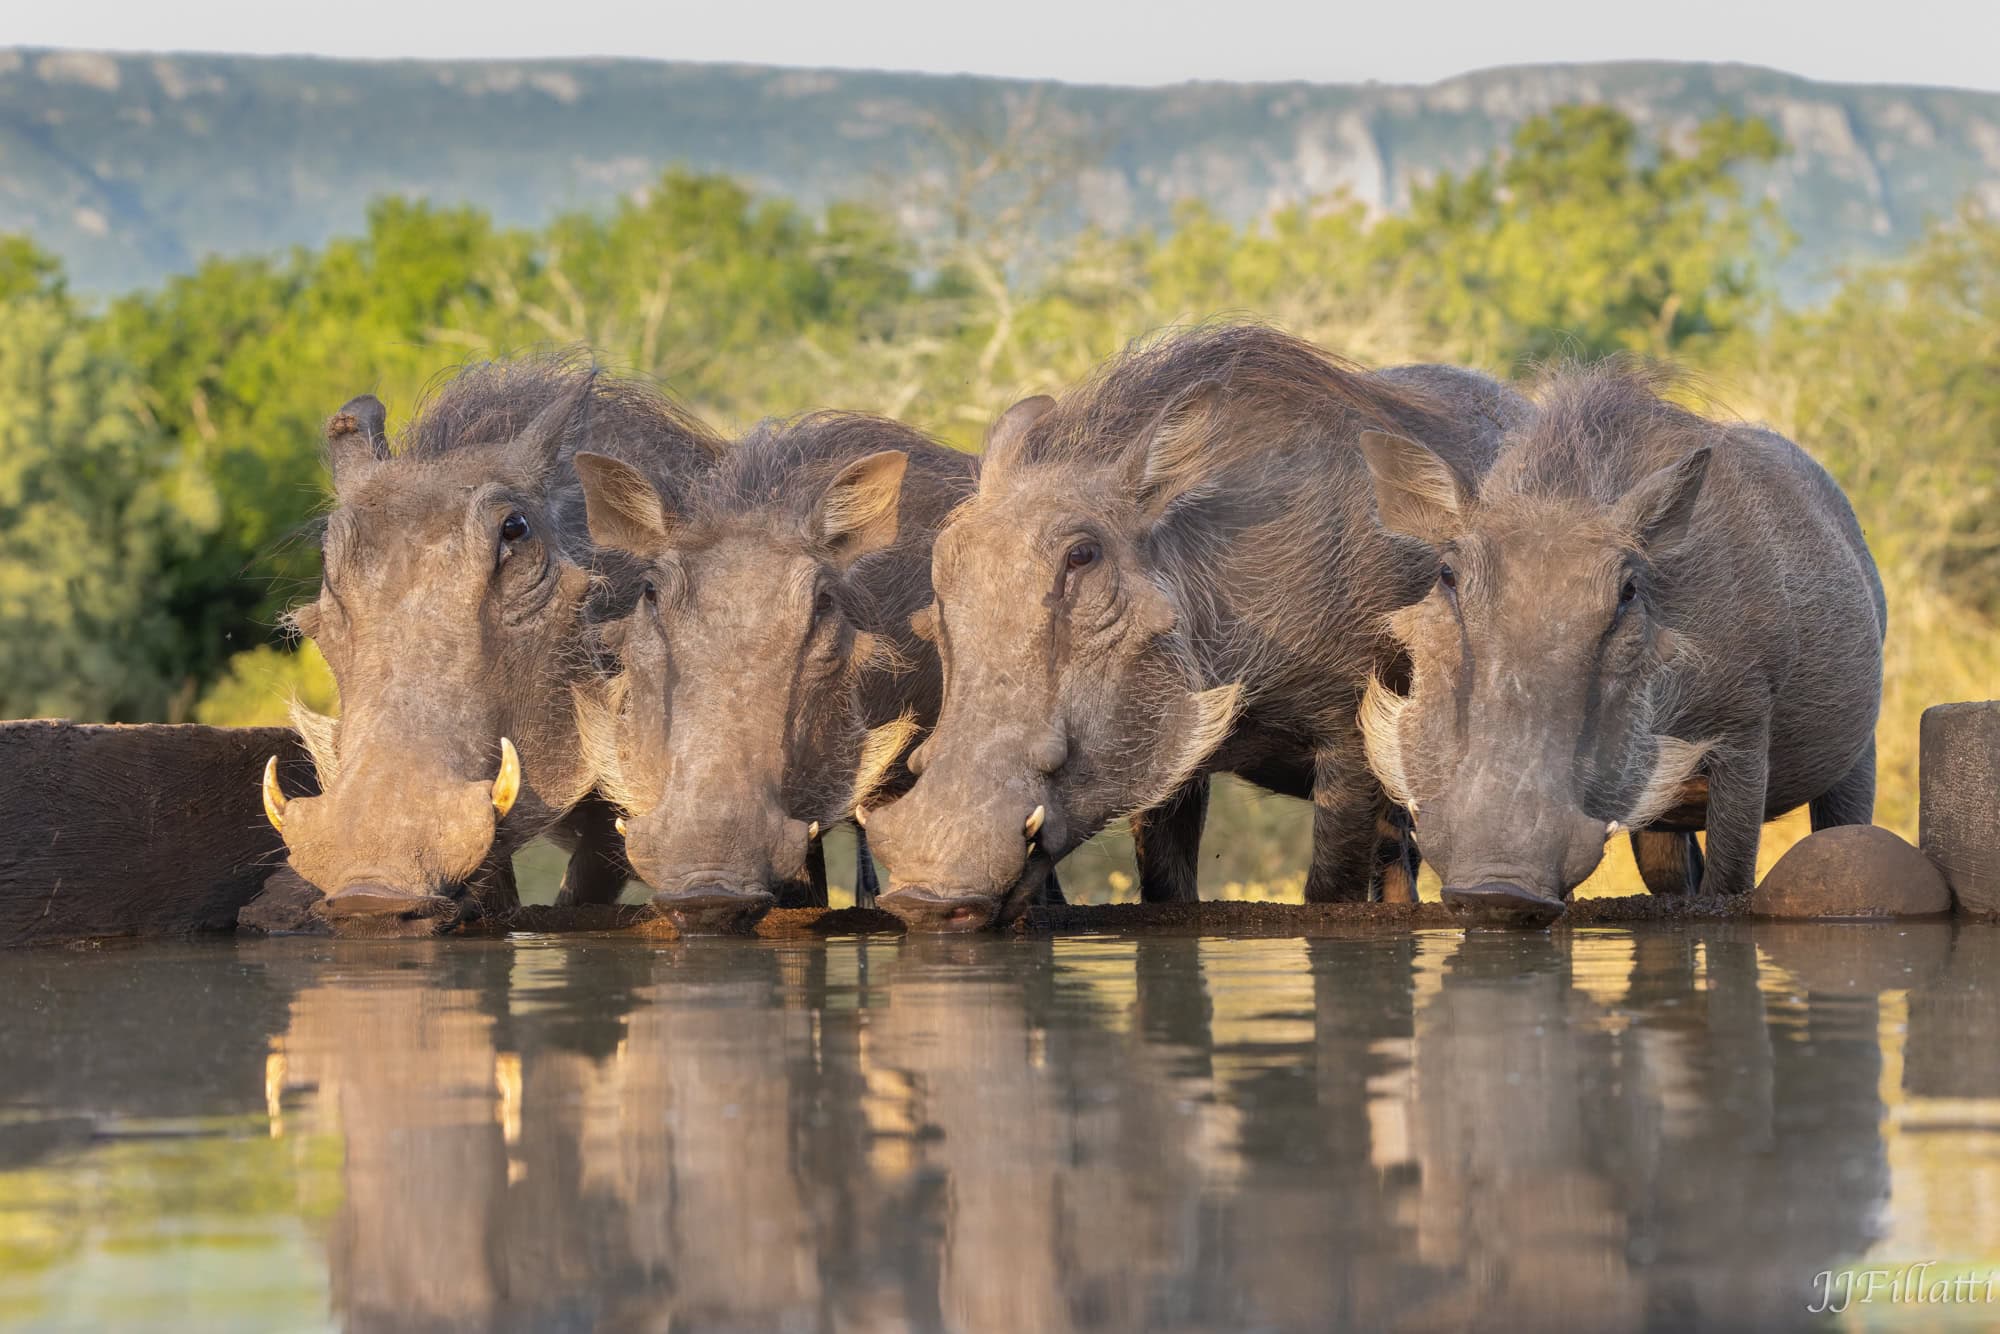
[
  {"x": 1895, "y": 384},
  {"x": 242, "y": 362},
  {"x": 1585, "y": 240},
  {"x": 90, "y": 501}
]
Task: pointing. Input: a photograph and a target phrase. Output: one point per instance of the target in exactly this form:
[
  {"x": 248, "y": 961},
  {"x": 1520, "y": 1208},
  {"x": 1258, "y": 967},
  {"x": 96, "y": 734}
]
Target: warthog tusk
[
  {"x": 861, "y": 816},
  {"x": 1035, "y": 821},
  {"x": 274, "y": 796},
  {"x": 619, "y": 825},
  {"x": 1613, "y": 829},
  {"x": 1031, "y": 847},
  {"x": 812, "y": 832},
  {"x": 507, "y": 786}
]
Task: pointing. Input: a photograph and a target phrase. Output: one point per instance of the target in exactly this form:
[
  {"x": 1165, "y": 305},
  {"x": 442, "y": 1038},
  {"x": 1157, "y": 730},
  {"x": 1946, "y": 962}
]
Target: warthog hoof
[
  {"x": 1498, "y": 904},
  {"x": 713, "y": 910},
  {"x": 926, "y": 910}
]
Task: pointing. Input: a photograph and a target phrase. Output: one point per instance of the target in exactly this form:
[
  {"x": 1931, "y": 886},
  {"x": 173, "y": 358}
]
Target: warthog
[
  {"x": 1642, "y": 620},
  {"x": 1174, "y": 570},
  {"x": 770, "y": 681},
  {"x": 459, "y": 580}
]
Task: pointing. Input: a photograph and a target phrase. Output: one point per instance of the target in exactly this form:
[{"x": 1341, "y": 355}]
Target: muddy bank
[{"x": 1236, "y": 919}]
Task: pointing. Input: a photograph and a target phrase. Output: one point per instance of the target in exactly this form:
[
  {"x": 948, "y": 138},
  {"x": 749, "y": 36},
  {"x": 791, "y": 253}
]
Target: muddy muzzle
[
  {"x": 714, "y": 910},
  {"x": 922, "y": 908},
  {"x": 375, "y": 901},
  {"x": 1499, "y": 903}
]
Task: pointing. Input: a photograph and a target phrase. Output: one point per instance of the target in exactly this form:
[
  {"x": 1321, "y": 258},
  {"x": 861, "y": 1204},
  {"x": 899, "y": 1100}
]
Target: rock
[
  {"x": 1960, "y": 781},
  {"x": 1852, "y": 871},
  {"x": 284, "y": 907},
  {"x": 135, "y": 831}
]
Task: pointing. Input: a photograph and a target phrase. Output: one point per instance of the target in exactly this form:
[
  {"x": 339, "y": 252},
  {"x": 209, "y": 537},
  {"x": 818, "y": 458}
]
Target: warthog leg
[
  {"x": 815, "y": 877},
  {"x": 1669, "y": 863},
  {"x": 1739, "y": 776},
  {"x": 1167, "y": 843},
  {"x": 1396, "y": 857},
  {"x": 597, "y": 869},
  {"x": 866, "y": 886},
  {"x": 1852, "y": 799},
  {"x": 1344, "y": 827}
]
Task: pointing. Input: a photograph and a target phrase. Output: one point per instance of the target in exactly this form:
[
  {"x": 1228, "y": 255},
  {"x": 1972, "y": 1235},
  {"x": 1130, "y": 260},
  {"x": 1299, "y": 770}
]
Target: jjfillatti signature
[{"x": 1834, "y": 1290}]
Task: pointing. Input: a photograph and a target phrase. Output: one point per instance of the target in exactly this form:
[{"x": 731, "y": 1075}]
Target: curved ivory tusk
[
  {"x": 1031, "y": 847},
  {"x": 1035, "y": 821},
  {"x": 507, "y": 785},
  {"x": 1613, "y": 829},
  {"x": 861, "y": 816},
  {"x": 619, "y": 825},
  {"x": 812, "y": 832},
  {"x": 274, "y": 796}
]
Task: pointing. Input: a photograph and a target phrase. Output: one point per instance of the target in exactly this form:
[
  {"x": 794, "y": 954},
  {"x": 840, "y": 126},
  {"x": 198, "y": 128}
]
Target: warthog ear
[
  {"x": 1005, "y": 436},
  {"x": 1416, "y": 492},
  {"x": 623, "y": 508},
  {"x": 539, "y": 447},
  {"x": 1657, "y": 510},
  {"x": 1175, "y": 460},
  {"x": 357, "y": 438},
  {"x": 858, "y": 513}
]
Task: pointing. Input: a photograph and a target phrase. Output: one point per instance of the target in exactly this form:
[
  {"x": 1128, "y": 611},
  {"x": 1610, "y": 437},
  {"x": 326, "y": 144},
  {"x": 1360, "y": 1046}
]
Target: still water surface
[{"x": 1669, "y": 1129}]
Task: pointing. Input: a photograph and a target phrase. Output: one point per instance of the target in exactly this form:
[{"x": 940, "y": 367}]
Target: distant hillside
[{"x": 136, "y": 167}]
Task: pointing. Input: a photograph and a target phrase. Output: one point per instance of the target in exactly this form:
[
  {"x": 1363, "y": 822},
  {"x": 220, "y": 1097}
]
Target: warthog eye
[
  {"x": 1082, "y": 556},
  {"x": 651, "y": 592},
  {"x": 1448, "y": 577},
  {"x": 1627, "y": 593},
  {"x": 514, "y": 527}
]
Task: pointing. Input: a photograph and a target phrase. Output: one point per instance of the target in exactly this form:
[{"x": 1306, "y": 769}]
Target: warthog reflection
[{"x": 977, "y": 1134}]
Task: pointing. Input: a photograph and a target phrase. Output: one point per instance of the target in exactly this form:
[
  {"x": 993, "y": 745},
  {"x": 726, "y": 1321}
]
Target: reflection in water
[{"x": 1669, "y": 1129}]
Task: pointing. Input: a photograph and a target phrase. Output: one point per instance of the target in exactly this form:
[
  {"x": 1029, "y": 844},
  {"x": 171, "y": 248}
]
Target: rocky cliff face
[{"x": 135, "y": 167}]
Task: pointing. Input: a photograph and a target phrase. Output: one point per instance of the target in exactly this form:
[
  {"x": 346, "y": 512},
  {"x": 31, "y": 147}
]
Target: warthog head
[
  {"x": 457, "y": 574},
  {"x": 1072, "y": 693},
  {"x": 1528, "y": 733},
  {"x": 759, "y": 697}
]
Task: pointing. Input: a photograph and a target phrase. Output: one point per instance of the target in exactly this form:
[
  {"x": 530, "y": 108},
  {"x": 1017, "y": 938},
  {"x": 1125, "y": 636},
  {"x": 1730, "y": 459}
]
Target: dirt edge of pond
[{"x": 1214, "y": 918}]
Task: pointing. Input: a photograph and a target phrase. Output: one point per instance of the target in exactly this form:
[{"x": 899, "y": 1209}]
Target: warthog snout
[
  {"x": 974, "y": 871},
  {"x": 1502, "y": 904},
  {"x": 425, "y": 842},
  {"x": 375, "y": 898},
  {"x": 708, "y": 910},
  {"x": 714, "y": 876},
  {"x": 925, "y": 909}
]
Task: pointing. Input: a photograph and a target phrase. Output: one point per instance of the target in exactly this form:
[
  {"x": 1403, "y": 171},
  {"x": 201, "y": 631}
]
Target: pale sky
[{"x": 1950, "y": 42}]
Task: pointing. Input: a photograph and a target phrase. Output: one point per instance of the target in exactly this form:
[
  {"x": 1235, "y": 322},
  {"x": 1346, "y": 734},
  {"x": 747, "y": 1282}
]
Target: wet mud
[{"x": 1235, "y": 919}]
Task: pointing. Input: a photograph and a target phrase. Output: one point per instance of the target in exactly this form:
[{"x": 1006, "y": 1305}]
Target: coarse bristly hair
[
  {"x": 491, "y": 402},
  {"x": 486, "y": 405},
  {"x": 779, "y": 473},
  {"x": 1255, "y": 421},
  {"x": 1598, "y": 429},
  {"x": 782, "y": 467},
  {"x": 1261, "y": 375}
]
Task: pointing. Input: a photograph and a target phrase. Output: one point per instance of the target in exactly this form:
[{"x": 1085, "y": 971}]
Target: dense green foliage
[{"x": 159, "y": 469}]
